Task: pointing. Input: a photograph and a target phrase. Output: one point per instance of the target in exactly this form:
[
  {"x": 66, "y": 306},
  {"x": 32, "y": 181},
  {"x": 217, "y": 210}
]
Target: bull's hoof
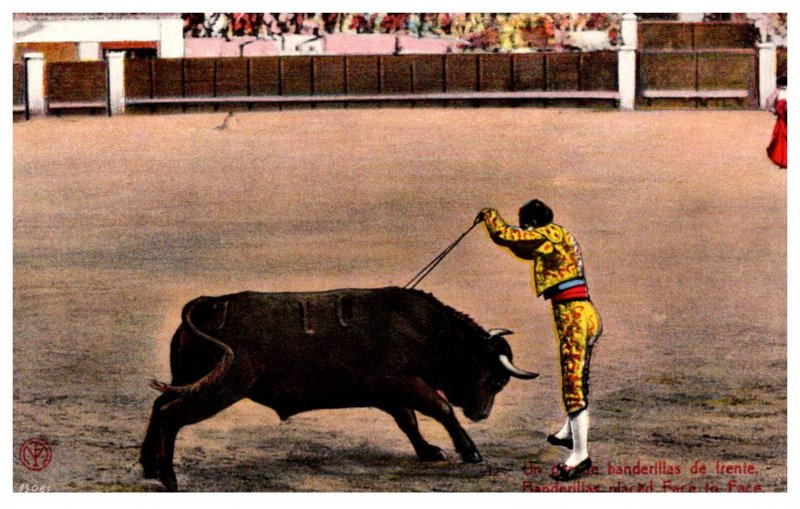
[
  {"x": 149, "y": 469},
  {"x": 471, "y": 457},
  {"x": 169, "y": 481},
  {"x": 431, "y": 453},
  {"x": 149, "y": 472}
]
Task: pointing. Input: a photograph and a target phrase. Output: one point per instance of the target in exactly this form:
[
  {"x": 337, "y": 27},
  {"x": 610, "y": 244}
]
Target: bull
[{"x": 401, "y": 351}]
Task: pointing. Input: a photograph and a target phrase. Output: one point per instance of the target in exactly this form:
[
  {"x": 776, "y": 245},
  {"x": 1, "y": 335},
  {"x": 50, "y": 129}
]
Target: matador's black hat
[{"x": 535, "y": 214}]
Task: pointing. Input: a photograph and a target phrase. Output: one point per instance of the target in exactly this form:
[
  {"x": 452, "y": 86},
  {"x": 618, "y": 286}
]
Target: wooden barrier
[
  {"x": 296, "y": 76},
  {"x": 461, "y": 73},
  {"x": 168, "y": 78},
  {"x": 530, "y": 71},
  {"x": 666, "y": 35},
  {"x": 495, "y": 74},
  {"x": 76, "y": 85},
  {"x": 717, "y": 70},
  {"x": 199, "y": 78},
  {"x": 666, "y": 74},
  {"x": 362, "y": 74},
  {"x": 725, "y": 35},
  {"x": 697, "y": 64},
  {"x": 667, "y": 70},
  {"x": 562, "y": 71},
  {"x": 231, "y": 77},
  {"x": 663, "y": 35},
  {"x": 441, "y": 96},
  {"x": 783, "y": 59},
  {"x": 329, "y": 75},
  {"x": 378, "y": 77},
  {"x": 18, "y": 75},
  {"x": 398, "y": 75},
  {"x": 599, "y": 71},
  {"x": 725, "y": 77},
  {"x": 139, "y": 78},
  {"x": 265, "y": 76},
  {"x": 427, "y": 74}
]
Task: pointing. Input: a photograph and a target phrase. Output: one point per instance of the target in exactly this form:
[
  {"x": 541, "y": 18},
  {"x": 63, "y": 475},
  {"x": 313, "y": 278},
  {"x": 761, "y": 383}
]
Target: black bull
[{"x": 397, "y": 350}]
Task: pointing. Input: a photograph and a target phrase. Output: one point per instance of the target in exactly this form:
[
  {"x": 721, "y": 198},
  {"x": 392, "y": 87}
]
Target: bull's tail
[
  {"x": 211, "y": 380},
  {"x": 161, "y": 386}
]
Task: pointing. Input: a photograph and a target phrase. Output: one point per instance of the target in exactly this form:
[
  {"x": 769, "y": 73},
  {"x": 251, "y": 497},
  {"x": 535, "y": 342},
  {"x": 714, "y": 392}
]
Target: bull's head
[
  {"x": 506, "y": 361},
  {"x": 492, "y": 371}
]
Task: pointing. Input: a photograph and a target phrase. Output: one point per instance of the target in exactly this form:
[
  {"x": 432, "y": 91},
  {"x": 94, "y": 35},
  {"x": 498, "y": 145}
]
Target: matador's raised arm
[{"x": 505, "y": 234}]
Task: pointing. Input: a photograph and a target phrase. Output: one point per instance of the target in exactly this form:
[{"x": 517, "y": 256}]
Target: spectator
[
  {"x": 330, "y": 22},
  {"x": 271, "y": 24},
  {"x": 358, "y": 23},
  {"x": 428, "y": 25},
  {"x": 285, "y": 23},
  {"x": 393, "y": 23},
  {"x": 458, "y": 24},
  {"x": 243, "y": 24},
  {"x": 310, "y": 24},
  {"x": 413, "y": 22},
  {"x": 445, "y": 23},
  {"x": 347, "y": 25}
]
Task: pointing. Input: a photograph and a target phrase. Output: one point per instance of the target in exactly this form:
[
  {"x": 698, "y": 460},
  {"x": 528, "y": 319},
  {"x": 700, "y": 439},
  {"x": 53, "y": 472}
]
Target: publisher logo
[{"x": 35, "y": 454}]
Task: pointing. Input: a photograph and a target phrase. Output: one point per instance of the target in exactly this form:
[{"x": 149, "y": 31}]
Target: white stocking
[
  {"x": 565, "y": 431},
  {"x": 580, "y": 438}
]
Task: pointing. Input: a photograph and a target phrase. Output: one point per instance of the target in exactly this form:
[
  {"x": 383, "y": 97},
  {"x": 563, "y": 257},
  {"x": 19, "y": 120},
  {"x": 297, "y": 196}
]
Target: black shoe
[
  {"x": 562, "y": 472},
  {"x": 561, "y": 442}
]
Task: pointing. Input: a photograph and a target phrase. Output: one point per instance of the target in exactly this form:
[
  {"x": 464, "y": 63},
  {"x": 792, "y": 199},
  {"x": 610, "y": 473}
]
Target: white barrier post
[
  {"x": 767, "y": 71},
  {"x": 34, "y": 83},
  {"x": 115, "y": 65},
  {"x": 626, "y": 62}
]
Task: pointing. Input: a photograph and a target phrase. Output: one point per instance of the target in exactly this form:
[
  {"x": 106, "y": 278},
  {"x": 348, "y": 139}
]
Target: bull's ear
[{"x": 500, "y": 332}]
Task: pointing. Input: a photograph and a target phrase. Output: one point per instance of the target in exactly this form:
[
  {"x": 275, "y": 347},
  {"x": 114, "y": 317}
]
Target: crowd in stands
[{"x": 474, "y": 31}]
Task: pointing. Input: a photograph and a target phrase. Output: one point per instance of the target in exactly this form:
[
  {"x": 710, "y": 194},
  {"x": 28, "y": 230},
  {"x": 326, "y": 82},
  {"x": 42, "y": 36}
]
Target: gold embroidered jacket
[{"x": 555, "y": 254}]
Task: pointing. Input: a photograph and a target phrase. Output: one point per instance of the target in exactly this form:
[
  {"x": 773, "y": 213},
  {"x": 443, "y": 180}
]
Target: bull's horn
[
  {"x": 500, "y": 332},
  {"x": 515, "y": 371}
]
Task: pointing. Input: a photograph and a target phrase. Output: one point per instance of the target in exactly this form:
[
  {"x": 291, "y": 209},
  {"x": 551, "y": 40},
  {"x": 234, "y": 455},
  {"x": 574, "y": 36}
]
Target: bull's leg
[
  {"x": 418, "y": 395},
  {"x": 165, "y": 471},
  {"x": 405, "y": 418},
  {"x": 147, "y": 458},
  {"x": 183, "y": 411}
]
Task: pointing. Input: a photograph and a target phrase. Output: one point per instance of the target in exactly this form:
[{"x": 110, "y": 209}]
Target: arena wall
[{"x": 678, "y": 64}]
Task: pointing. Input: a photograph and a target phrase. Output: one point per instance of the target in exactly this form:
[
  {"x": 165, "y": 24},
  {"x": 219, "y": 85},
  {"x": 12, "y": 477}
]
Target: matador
[{"x": 558, "y": 276}]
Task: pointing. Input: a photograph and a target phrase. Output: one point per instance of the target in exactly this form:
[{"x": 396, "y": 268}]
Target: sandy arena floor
[{"x": 682, "y": 219}]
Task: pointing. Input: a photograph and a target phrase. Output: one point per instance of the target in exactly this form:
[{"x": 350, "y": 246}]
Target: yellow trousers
[{"x": 578, "y": 327}]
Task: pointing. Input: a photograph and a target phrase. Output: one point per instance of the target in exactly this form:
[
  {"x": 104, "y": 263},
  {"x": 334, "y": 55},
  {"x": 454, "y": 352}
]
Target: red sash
[{"x": 574, "y": 293}]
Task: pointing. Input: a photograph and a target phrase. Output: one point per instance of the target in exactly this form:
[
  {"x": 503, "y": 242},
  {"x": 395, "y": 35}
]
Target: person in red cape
[{"x": 777, "y": 105}]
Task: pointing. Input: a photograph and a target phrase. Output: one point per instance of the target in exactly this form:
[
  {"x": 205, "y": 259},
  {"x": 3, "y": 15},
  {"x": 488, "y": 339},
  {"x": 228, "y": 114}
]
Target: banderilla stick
[{"x": 433, "y": 263}]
